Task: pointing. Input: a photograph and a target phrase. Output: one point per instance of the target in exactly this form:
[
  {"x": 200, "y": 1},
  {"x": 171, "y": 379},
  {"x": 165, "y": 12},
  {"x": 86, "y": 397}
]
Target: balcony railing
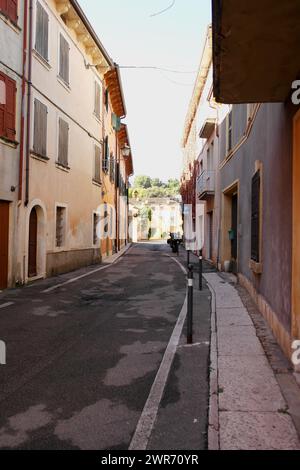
[{"x": 206, "y": 183}]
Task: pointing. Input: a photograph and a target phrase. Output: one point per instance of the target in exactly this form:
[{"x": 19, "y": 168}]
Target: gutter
[{"x": 29, "y": 102}]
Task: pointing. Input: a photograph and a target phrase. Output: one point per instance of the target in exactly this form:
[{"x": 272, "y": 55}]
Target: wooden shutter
[
  {"x": 255, "y": 217},
  {"x": 111, "y": 166},
  {"x": 40, "y": 128},
  {"x": 63, "y": 142},
  {"x": 10, "y": 9},
  {"x": 97, "y": 164},
  {"x": 42, "y": 31},
  {"x": 10, "y": 110},
  {"x": 64, "y": 59},
  {"x": 2, "y": 106},
  {"x": 105, "y": 161}
]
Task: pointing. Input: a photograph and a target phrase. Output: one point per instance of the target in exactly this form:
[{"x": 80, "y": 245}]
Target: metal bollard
[
  {"x": 190, "y": 305},
  {"x": 188, "y": 258},
  {"x": 200, "y": 270}
]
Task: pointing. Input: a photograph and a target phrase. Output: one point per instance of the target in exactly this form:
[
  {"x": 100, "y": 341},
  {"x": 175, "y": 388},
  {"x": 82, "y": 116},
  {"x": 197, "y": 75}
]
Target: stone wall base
[
  {"x": 283, "y": 338},
  {"x": 66, "y": 261}
]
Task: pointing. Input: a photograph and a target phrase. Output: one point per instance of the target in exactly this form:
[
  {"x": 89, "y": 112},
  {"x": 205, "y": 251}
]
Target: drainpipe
[
  {"x": 117, "y": 166},
  {"x": 29, "y": 102},
  {"x": 20, "y": 193}
]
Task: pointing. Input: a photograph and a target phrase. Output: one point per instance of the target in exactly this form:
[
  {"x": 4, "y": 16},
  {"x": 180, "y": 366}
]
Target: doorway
[
  {"x": 32, "y": 247},
  {"x": 230, "y": 227},
  {"x": 4, "y": 237},
  {"x": 210, "y": 235}
]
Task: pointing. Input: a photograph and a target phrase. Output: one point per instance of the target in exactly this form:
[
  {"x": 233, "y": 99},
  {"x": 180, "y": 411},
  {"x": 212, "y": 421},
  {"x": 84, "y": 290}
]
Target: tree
[
  {"x": 142, "y": 182},
  {"x": 156, "y": 183}
]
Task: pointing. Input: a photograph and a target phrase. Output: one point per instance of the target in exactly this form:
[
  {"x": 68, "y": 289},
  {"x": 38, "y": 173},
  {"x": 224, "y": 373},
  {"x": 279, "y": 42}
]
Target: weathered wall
[{"x": 270, "y": 142}]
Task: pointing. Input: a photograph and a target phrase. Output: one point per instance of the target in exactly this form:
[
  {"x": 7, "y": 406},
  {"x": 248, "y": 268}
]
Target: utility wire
[
  {"x": 175, "y": 82},
  {"x": 163, "y": 11}
]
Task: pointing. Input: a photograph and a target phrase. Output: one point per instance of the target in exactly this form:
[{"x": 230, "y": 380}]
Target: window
[
  {"x": 40, "y": 129},
  {"x": 97, "y": 109},
  {"x": 42, "y": 31},
  {"x": 64, "y": 60},
  {"x": 105, "y": 160},
  {"x": 7, "y": 107},
  {"x": 97, "y": 170},
  {"x": 9, "y": 8},
  {"x": 60, "y": 226},
  {"x": 96, "y": 221},
  {"x": 63, "y": 142},
  {"x": 255, "y": 217},
  {"x": 229, "y": 131}
]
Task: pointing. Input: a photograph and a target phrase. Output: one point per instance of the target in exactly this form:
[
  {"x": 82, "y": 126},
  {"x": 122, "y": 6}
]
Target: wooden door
[
  {"x": 4, "y": 230},
  {"x": 32, "y": 249}
]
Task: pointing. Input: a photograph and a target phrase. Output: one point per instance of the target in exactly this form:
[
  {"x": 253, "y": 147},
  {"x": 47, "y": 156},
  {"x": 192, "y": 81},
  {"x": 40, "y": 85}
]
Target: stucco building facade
[
  {"x": 245, "y": 174},
  {"x": 68, "y": 161}
]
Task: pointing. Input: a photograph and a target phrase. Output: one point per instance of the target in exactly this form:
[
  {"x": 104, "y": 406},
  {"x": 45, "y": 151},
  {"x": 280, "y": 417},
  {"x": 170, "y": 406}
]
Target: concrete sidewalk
[
  {"x": 182, "y": 419},
  {"x": 254, "y": 404}
]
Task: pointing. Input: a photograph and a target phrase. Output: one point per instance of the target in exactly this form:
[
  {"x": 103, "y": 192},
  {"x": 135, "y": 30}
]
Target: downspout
[
  {"x": 29, "y": 102},
  {"x": 20, "y": 192},
  {"x": 117, "y": 167}
]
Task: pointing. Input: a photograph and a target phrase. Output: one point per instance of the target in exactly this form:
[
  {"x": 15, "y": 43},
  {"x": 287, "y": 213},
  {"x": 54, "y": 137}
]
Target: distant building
[{"x": 154, "y": 218}]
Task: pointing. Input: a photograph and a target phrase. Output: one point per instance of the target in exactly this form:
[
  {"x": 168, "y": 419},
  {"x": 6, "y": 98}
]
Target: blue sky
[{"x": 156, "y": 101}]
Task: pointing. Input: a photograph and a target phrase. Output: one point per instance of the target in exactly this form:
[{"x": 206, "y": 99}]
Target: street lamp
[{"x": 126, "y": 150}]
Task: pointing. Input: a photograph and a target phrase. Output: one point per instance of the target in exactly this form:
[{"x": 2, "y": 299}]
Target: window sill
[
  {"x": 256, "y": 268},
  {"x": 10, "y": 143},
  {"x": 97, "y": 183},
  {"x": 62, "y": 167},
  {"x": 14, "y": 26},
  {"x": 44, "y": 62},
  {"x": 37, "y": 156},
  {"x": 63, "y": 83}
]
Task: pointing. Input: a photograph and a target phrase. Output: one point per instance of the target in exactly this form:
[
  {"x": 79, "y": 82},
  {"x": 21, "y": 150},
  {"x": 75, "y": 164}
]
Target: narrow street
[{"x": 82, "y": 356}]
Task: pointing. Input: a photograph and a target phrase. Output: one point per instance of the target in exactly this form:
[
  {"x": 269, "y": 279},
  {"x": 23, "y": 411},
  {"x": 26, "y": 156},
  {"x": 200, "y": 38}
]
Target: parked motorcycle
[{"x": 174, "y": 241}]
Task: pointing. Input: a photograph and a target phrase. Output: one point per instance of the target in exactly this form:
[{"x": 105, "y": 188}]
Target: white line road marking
[
  {"x": 8, "y": 304},
  {"x": 179, "y": 264},
  {"x": 74, "y": 279},
  {"x": 147, "y": 419}
]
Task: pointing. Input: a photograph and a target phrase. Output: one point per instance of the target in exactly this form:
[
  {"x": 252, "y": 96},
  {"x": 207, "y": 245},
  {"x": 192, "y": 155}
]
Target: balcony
[{"x": 206, "y": 184}]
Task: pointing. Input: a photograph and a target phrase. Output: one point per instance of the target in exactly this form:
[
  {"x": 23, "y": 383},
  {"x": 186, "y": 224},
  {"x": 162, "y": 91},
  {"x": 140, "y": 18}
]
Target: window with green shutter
[{"x": 42, "y": 31}]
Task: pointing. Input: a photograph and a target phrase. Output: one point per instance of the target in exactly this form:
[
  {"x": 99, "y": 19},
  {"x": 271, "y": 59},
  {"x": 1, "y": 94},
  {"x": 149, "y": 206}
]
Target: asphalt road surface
[{"x": 81, "y": 359}]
